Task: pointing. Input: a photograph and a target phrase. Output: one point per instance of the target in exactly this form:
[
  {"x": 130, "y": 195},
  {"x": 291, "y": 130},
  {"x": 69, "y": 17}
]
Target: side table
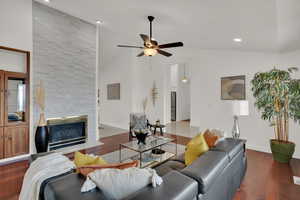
[{"x": 156, "y": 126}]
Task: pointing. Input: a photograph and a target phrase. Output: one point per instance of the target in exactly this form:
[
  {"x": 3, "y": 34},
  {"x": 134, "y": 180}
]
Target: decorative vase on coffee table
[{"x": 141, "y": 137}]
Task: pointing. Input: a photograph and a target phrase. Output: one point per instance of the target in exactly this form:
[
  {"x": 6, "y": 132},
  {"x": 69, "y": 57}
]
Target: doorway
[
  {"x": 173, "y": 106},
  {"x": 178, "y": 96}
]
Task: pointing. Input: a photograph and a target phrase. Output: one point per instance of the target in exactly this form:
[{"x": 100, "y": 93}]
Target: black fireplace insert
[{"x": 67, "y": 131}]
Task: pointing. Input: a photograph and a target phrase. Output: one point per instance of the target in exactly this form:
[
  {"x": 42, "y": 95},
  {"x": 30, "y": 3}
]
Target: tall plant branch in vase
[
  {"x": 41, "y": 135},
  {"x": 40, "y": 101},
  {"x": 278, "y": 98}
]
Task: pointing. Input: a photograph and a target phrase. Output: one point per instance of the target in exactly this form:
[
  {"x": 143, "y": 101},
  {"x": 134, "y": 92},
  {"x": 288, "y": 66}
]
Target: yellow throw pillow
[
  {"x": 81, "y": 159},
  {"x": 195, "y": 148}
]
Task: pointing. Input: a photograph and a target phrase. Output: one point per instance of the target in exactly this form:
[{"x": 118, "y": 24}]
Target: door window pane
[{"x": 16, "y": 97}]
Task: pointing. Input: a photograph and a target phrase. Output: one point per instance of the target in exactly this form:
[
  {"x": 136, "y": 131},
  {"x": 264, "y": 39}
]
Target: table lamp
[{"x": 239, "y": 108}]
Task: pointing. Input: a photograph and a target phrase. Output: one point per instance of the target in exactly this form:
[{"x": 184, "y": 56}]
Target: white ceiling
[{"x": 264, "y": 25}]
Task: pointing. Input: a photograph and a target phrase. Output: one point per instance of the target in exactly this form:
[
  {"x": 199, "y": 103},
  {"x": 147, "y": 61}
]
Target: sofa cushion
[
  {"x": 231, "y": 146},
  {"x": 169, "y": 166},
  {"x": 195, "y": 148},
  {"x": 179, "y": 158},
  {"x": 175, "y": 186},
  {"x": 68, "y": 187},
  {"x": 206, "y": 169}
]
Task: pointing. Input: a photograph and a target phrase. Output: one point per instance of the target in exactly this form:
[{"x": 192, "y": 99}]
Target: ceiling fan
[{"x": 151, "y": 46}]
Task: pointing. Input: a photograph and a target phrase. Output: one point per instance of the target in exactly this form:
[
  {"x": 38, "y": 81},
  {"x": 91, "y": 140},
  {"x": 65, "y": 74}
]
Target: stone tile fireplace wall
[{"x": 64, "y": 58}]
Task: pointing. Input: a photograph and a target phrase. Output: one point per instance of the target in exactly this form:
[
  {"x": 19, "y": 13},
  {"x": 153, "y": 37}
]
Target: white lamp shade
[{"x": 240, "y": 108}]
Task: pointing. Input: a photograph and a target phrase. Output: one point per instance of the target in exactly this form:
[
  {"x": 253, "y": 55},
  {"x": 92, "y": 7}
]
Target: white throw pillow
[{"x": 118, "y": 184}]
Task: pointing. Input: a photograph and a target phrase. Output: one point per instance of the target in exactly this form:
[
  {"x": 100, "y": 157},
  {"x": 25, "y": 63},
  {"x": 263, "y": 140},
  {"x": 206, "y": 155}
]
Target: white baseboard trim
[
  {"x": 258, "y": 148},
  {"x": 7, "y": 161},
  {"x": 265, "y": 149},
  {"x": 116, "y": 125}
]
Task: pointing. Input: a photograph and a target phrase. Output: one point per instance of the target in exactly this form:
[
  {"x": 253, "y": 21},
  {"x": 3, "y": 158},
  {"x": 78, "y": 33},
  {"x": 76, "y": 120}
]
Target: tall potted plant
[{"x": 278, "y": 98}]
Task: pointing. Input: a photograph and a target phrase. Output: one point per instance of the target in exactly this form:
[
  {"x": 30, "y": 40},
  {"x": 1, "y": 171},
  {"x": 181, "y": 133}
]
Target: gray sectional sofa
[{"x": 216, "y": 175}]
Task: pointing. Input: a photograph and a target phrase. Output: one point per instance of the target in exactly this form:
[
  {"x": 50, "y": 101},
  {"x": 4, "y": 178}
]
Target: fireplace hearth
[{"x": 67, "y": 131}]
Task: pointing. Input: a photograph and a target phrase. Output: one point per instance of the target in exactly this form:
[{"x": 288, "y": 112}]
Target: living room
[{"x": 76, "y": 70}]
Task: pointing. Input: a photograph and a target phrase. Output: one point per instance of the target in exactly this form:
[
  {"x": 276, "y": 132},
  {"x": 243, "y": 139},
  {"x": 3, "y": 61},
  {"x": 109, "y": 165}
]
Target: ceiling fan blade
[
  {"x": 141, "y": 54},
  {"x": 145, "y": 38},
  {"x": 129, "y": 46},
  {"x": 164, "y": 53},
  {"x": 170, "y": 45}
]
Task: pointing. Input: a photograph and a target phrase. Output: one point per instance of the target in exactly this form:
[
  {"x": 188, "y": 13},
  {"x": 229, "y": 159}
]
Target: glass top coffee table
[{"x": 144, "y": 151}]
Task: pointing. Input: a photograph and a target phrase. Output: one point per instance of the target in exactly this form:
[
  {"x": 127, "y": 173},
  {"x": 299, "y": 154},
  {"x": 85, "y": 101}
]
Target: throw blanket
[{"x": 41, "y": 169}]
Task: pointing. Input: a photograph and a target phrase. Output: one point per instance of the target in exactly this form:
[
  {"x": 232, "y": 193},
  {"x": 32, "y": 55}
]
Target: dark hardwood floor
[{"x": 265, "y": 179}]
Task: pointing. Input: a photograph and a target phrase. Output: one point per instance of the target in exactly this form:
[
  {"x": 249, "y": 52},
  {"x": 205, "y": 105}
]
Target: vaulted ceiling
[{"x": 264, "y": 25}]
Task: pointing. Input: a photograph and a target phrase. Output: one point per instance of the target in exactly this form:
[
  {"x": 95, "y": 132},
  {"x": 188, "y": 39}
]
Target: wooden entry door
[{"x": 16, "y": 141}]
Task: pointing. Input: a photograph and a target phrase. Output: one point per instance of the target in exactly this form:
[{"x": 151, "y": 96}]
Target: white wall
[
  {"x": 292, "y": 59},
  {"x": 137, "y": 76},
  {"x": 118, "y": 70},
  {"x": 16, "y": 32},
  {"x": 147, "y": 71},
  {"x": 183, "y": 95},
  {"x": 173, "y": 82},
  {"x": 209, "y": 111},
  {"x": 16, "y": 24}
]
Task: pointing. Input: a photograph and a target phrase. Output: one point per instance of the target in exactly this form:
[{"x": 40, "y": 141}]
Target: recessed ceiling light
[
  {"x": 47, "y": 1},
  {"x": 237, "y": 39}
]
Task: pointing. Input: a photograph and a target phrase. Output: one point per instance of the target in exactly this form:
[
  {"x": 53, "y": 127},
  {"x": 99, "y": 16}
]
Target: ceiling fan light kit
[
  {"x": 150, "y": 52},
  {"x": 151, "y": 46}
]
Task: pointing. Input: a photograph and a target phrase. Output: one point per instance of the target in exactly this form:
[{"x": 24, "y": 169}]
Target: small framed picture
[
  {"x": 233, "y": 88},
  {"x": 113, "y": 91}
]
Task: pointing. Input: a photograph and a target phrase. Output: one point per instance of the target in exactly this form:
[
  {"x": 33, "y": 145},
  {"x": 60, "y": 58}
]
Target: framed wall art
[
  {"x": 114, "y": 91},
  {"x": 233, "y": 88}
]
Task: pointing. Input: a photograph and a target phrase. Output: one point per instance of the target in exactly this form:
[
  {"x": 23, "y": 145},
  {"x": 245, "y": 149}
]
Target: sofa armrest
[
  {"x": 206, "y": 169},
  {"x": 175, "y": 186},
  {"x": 231, "y": 146},
  {"x": 33, "y": 157}
]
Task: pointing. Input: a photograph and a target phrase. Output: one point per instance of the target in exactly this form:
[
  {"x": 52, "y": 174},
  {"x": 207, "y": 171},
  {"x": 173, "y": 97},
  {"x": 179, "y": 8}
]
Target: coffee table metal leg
[
  {"x": 120, "y": 153},
  {"x": 176, "y": 148},
  {"x": 140, "y": 160}
]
